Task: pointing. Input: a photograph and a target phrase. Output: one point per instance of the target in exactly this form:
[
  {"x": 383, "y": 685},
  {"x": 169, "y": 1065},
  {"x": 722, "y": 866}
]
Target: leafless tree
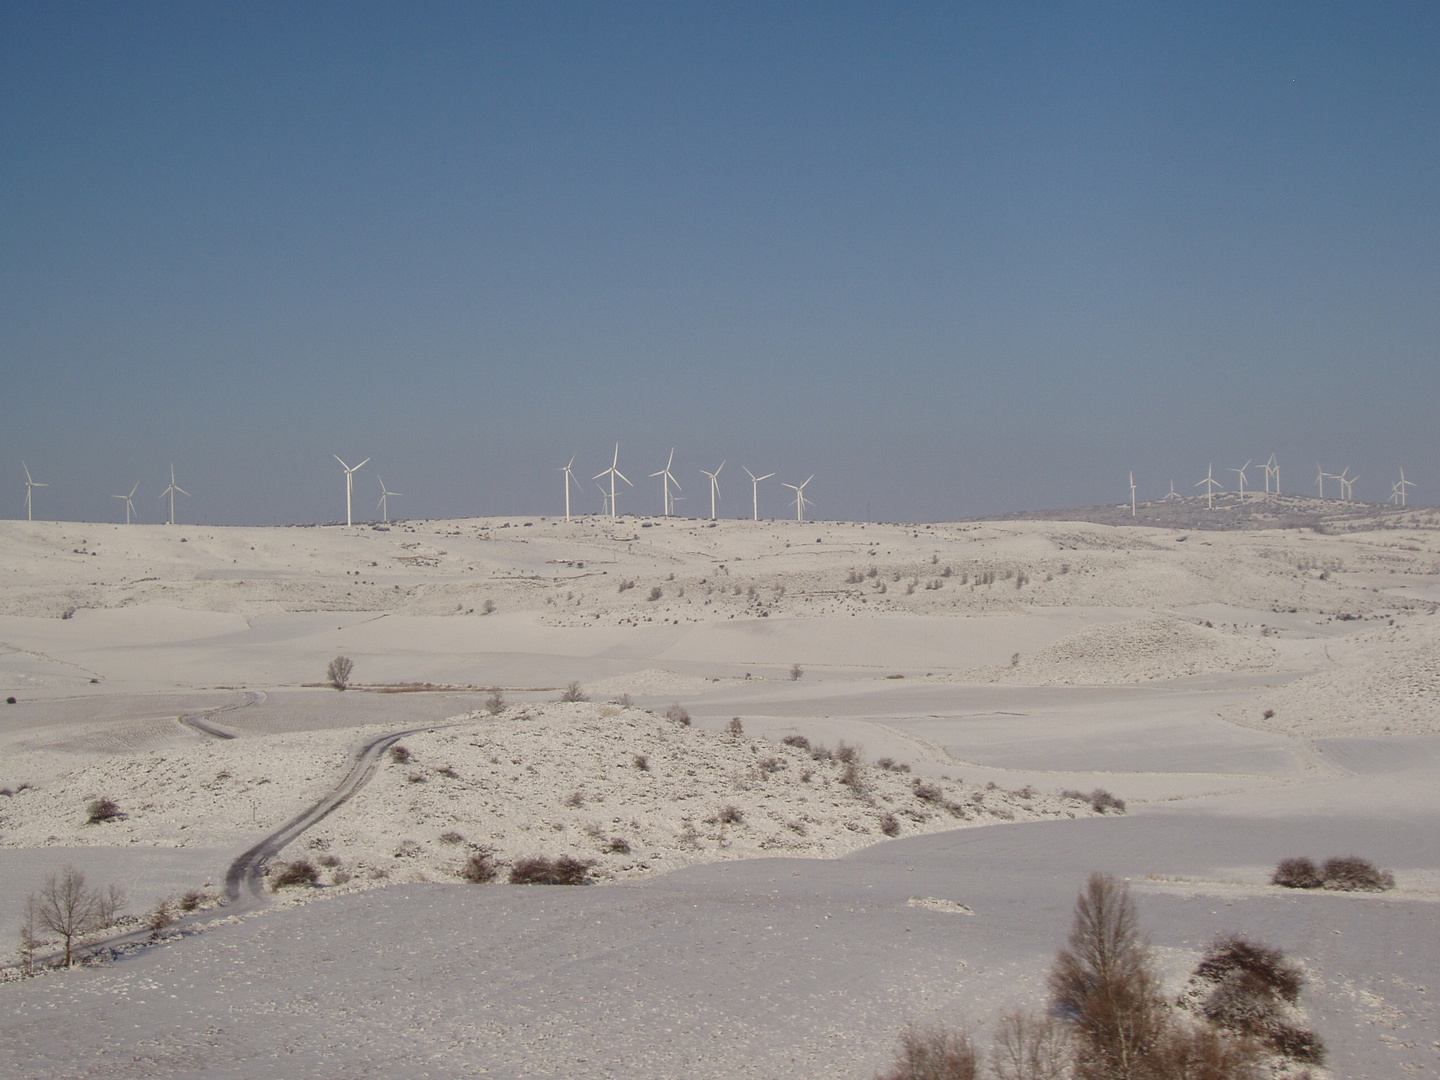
[
  {"x": 339, "y": 672},
  {"x": 934, "y": 1054},
  {"x": 1030, "y": 1047},
  {"x": 1104, "y": 985},
  {"x": 65, "y": 907}
]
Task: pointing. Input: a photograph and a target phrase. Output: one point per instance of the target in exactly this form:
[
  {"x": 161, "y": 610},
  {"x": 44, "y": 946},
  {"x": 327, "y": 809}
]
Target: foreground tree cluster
[{"x": 1109, "y": 1018}]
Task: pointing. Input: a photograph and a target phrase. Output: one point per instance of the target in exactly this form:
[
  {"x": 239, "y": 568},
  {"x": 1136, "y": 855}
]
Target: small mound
[{"x": 1140, "y": 650}]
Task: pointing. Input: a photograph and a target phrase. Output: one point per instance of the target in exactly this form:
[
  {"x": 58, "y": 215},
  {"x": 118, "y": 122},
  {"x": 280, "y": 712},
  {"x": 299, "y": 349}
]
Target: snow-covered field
[{"x": 759, "y": 910}]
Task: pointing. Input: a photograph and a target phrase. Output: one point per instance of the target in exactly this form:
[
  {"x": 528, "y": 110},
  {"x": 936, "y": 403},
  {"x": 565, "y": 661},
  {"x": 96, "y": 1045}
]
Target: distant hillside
[{"x": 1257, "y": 511}]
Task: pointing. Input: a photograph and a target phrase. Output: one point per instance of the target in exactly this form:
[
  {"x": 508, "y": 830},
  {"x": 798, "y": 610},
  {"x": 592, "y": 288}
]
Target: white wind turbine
[
  {"x": 129, "y": 506},
  {"x": 613, "y": 472},
  {"x": 383, "y": 505},
  {"x": 714, "y": 487},
  {"x": 755, "y": 490},
  {"x": 1400, "y": 486},
  {"x": 1173, "y": 494},
  {"x": 1347, "y": 485},
  {"x": 667, "y": 480},
  {"x": 1272, "y": 469},
  {"x": 800, "y": 500},
  {"x": 1132, "y": 492},
  {"x": 604, "y": 501},
  {"x": 569, "y": 479},
  {"x": 1240, "y": 472},
  {"x": 1209, "y": 484},
  {"x": 173, "y": 490},
  {"x": 349, "y": 484},
  {"x": 30, "y": 484}
]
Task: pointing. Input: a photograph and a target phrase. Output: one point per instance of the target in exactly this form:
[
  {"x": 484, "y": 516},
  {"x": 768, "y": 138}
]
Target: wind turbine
[
  {"x": 755, "y": 489},
  {"x": 383, "y": 506},
  {"x": 349, "y": 484},
  {"x": 1272, "y": 468},
  {"x": 1347, "y": 485},
  {"x": 613, "y": 472},
  {"x": 667, "y": 480},
  {"x": 800, "y": 499},
  {"x": 1320, "y": 477},
  {"x": 1209, "y": 484},
  {"x": 172, "y": 491},
  {"x": 1132, "y": 492},
  {"x": 129, "y": 506},
  {"x": 714, "y": 487},
  {"x": 1401, "y": 485},
  {"x": 569, "y": 479},
  {"x": 1173, "y": 494},
  {"x": 29, "y": 485},
  {"x": 1241, "y": 473},
  {"x": 604, "y": 501}
]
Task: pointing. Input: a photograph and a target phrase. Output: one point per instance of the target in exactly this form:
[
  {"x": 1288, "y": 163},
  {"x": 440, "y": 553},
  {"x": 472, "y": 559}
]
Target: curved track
[{"x": 201, "y": 721}]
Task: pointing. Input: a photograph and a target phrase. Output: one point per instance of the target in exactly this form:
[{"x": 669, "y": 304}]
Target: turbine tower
[
  {"x": 1209, "y": 484},
  {"x": 755, "y": 490},
  {"x": 30, "y": 485},
  {"x": 1241, "y": 473},
  {"x": 349, "y": 484},
  {"x": 800, "y": 500},
  {"x": 1401, "y": 485},
  {"x": 1272, "y": 468},
  {"x": 1320, "y": 477},
  {"x": 1132, "y": 493},
  {"x": 1347, "y": 485},
  {"x": 667, "y": 480},
  {"x": 173, "y": 490},
  {"x": 129, "y": 506},
  {"x": 569, "y": 479},
  {"x": 613, "y": 471},
  {"x": 714, "y": 487},
  {"x": 383, "y": 505},
  {"x": 1173, "y": 494}
]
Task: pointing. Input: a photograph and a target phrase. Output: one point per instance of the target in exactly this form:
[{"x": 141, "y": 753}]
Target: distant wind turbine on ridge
[
  {"x": 1210, "y": 484},
  {"x": 1173, "y": 494},
  {"x": 1132, "y": 492},
  {"x": 129, "y": 506},
  {"x": 667, "y": 479},
  {"x": 613, "y": 472},
  {"x": 1240, "y": 472},
  {"x": 569, "y": 479},
  {"x": 349, "y": 484},
  {"x": 1320, "y": 477},
  {"x": 714, "y": 487},
  {"x": 173, "y": 490},
  {"x": 1347, "y": 485},
  {"x": 30, "y": 484},
  {"x": 383, "y": 505},
  {"x": 1272, "y": 468},
  {"x": 1400, "y": 485},
  {"x": 755, "y": 490},
  {"x": 800, "y": 500}
]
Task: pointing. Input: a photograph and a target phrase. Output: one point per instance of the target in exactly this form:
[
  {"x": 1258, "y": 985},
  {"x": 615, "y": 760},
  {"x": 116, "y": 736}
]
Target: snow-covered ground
[{"x": 1253, "y": 695}]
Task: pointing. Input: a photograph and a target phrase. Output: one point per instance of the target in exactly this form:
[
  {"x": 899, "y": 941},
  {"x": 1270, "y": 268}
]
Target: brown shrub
[
  {"x": 479, "y": 868},
  {"x": 1297, "y": 874},
  {"x": 677, "y": 713},
  {"x": 103, "y": 810},
  {"x": 730, "y": 815},
  {"x": 889, "y": 825},
  {"x": 192, "y": 900},
  {"x": 299, "y": 872},
  {"x": 539, "y": 870},
  {"x": 800, "y": 742},
  {"x": 735, "y": 727},
  {"x": 935, "y": 1053},
  {"x": 1030, "y": 1047},
  {"x": 573, "y": 692},
  {"x": 399, "y": 755},
  {"x": 618, "y": 846},
  {"x": 1351, "y": 873}
]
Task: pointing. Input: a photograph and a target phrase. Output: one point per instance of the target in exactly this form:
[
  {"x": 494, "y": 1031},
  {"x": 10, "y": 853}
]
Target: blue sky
[{"x": 952, "y": 259}]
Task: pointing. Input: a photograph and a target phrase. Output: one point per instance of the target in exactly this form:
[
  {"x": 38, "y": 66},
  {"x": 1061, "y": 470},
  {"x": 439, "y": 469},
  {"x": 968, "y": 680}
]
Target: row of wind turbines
[
  {"x": 1398, "y": 488},
  {"x": 610, "y": 499},
  {"x": 174, "y": 489}
]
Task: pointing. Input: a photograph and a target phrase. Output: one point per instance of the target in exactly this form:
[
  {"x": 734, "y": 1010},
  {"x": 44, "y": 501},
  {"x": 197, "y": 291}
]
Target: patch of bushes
[
  {"x": 573, "y": 692},
  {"x": 618, "y": 846},
  {"x": 730, "y": 815},
  {"x": 451, "y": 837},
  {"x": 927, "y": 792},
  {"x": 800, "y": 742},
  {"x": 935, "y": 1053},
  {"x": 1348, "y": 873},
  {"x": 103, "y": 809},
  {"x": 299, "y": 872},
  {"x": 192, "y": 900},
  {"x": 479, "y": 868},
  {"x": 1246, "y": 988},
  {"x": 539, "y": 870},
  {"x": 677, "y": 713},
  {"x": 399, "y": 755},
  {"x": 889, "y": 825},
  {"x": 1100, "y": 800}
]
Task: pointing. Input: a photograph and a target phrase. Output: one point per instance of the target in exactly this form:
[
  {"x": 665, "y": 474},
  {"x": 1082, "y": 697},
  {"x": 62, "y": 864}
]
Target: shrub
[
  {"x": 853, "y": 778},
  {"x": 575, "y": 799},
  {"x": 934, "y": 1054},
  {"x": 798, "y": 741},
  {"x": 415, "y": 778},
  {"x": 847, "y": 754},
  {"x": 656, "y": 592},
  {"x": 103, "y": 809},
  {"x": 927, "y": 792},
  {"x": 735, "y": 727},
  {"x": 796, "y": 671},
  {"x": 1234, "y": 957},
  {"x": 192, "y": 900},
  {"x": 451, "y": 837},
  {"x": 731, "y": 815},
  {"x": 1030, "y": 1047},
  {"x": 642, "y": 763},
  {"x": 159, "y": 919},
  {"x": 479, "y": 868},
  {"x": 618, "y": 846},
  {"x": 538, "y": 870},
  {"x": 889, "y": 825},
  {"x": 1101, "y": 800},
  {"x": 448, "y": 770},
  {"x": 495, "y": 703},
  {"x": 329, "y": 861},
  {"x": 573, "y": 692},
  {"x": 339, "y": 672},
  {"x": 299, "y": 872},
  {"x": 399, "y": 755},
  {"x": 1351, "y": 873},
  {"x": 1297, "y": 874},
  {"x": 677, "y": 713},
  {"x": 1250, "y": 986}
]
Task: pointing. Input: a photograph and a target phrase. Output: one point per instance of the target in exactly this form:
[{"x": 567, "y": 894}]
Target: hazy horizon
[{"x": 955, "y": 262}]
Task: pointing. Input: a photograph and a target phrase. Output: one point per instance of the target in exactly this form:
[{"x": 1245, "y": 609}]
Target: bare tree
[
  {"x": 65, "y": 907},
  {"x": 339, "y": 672},
  {"x": 1030, "y": 1047},
  {"x": 29, "y": 935},
  {"x": 1104, "y": 985},
  {"x": 936, "y": 1053}
]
